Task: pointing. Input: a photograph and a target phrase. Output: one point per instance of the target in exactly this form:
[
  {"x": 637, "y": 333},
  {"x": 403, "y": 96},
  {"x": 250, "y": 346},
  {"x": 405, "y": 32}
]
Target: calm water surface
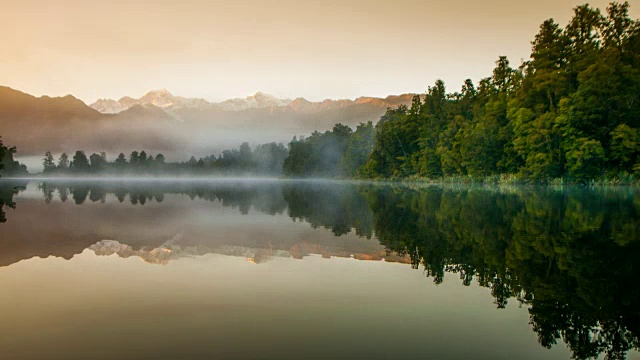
[{"x": 279, "y": 270}]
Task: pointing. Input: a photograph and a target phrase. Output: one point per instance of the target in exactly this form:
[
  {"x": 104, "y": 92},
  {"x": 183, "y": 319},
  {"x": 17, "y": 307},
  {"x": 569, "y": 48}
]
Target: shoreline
[{"x": 492, "y": 181}]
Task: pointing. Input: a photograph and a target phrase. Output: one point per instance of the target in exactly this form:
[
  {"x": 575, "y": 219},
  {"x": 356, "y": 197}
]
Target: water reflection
[
  {"x": 570, "y": 256},
  {"x": 7, "y": 190}
]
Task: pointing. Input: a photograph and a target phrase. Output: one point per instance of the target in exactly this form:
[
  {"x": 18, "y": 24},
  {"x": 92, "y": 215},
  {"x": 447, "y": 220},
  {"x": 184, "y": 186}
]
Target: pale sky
[{"x": 289, "y": 48}]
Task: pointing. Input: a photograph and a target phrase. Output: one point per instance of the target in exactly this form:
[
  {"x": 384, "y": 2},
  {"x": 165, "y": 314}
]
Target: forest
[
  {"x": 265, "y": 159},
  {"x": 569, "y": 114}
]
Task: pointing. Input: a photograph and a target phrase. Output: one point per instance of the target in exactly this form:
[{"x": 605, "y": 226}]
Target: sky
[{"x": 289, "y": 48}]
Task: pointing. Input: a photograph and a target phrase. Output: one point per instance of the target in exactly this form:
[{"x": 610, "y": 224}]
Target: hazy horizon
[{"x": 217, "y": 50}]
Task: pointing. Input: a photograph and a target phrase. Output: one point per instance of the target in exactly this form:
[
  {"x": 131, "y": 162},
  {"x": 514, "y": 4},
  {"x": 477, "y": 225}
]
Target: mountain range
[
  {"x": 177, "y": 126},
  {"x": 163, "y": 99}
]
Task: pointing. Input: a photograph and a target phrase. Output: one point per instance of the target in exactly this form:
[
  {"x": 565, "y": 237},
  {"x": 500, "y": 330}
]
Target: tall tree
[
  {"x": 48, "y": 163},
  {"x": 63, "y": 162},
  {"x": 80, "y": 163}
]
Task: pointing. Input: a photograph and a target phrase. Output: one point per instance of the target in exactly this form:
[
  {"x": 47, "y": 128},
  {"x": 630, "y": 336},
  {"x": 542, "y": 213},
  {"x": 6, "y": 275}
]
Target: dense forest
[
  {"x": 336, "y": 153},
  {"x": 570, "y": 113},
  {"x": 265, "y": 159}
]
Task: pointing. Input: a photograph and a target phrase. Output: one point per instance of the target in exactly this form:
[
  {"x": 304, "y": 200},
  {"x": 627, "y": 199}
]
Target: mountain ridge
[
  {"x": 173, "y": 125},
  {"x": 164, "y": 99}
]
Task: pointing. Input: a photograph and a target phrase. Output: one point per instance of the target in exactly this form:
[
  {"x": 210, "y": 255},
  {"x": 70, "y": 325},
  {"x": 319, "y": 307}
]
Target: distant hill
[
  {"x": 162, "y": 122},
  {"x": 37, "y": 124}
]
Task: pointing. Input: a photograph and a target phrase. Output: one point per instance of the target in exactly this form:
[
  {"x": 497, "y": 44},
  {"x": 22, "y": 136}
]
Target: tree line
[
  {"x": 571, "y": 112},
  {"x": 265, "y": 159}
]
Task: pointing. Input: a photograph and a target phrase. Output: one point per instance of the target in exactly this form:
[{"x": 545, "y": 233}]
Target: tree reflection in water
[{"x": 570, "y": 255}]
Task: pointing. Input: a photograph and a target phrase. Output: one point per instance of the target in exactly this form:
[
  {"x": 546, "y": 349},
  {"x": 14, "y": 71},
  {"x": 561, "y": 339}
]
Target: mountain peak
[
  {"x": 159, "y": 92},
  {"x": 165, "y": 100},
  {"x": 261, "y": 96},
  {"x": 161, "y": 98},
  {"x": 256, "y": 101}
]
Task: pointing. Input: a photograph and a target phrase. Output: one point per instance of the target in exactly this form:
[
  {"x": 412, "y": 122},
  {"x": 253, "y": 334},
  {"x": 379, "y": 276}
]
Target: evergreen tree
[
  {"x": 98, "y": 162},
  {"x": 80, "y": 163},
  {"x": 63, "y": 162},
  {"x": 571, "y": 111},
  {"x": 121, "y": 160},
  {"x": 133, "y": 159},
  {"x": 48, "y": 163}
]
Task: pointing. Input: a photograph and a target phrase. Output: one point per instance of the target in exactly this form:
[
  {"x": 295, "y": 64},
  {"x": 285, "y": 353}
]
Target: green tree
[
  {"x": 8, "y": 165},
  {"x": 134, "y": 158},
  {"x": 63, "y": 162},
  {"x": 625, "y": 147},
  {"x": 48, "y": 163},
  {"x": 159, "y": 159},
  {"x": 320, "y": 155},
  {"x": 98, "y": 162},
  {"x": 121, "y": 161},
  {"x": 585, "y": 159},
  {"x": 395, "y": 142},
  {"x": 360, "y": 146},
  {"x": 4, "y": 151},
  {"x": 80, "y": 163},
  {"x": 142, "y": 159}
]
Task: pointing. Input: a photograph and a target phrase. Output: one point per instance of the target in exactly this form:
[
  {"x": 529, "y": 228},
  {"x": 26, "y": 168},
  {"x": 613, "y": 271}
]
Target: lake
[{"x": 272, "y": 269}]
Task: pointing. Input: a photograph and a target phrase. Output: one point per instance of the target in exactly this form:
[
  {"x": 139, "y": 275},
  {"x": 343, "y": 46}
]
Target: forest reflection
[
  {"x": 7, "y": 192},
  {"x": 570, "y": 256}
]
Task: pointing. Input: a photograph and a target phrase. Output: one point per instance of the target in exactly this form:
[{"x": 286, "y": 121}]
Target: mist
[{"x": 178, "y": 136}]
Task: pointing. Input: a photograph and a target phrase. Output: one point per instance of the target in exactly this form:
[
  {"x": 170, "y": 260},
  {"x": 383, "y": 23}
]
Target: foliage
[
  {"x": 568, "y": 256},
  {"x": 563, "y": 113},
  {"x": 324, "y": 154},
  {"x": 265, "y": 159},
  {"x": 8, "y": 165}
]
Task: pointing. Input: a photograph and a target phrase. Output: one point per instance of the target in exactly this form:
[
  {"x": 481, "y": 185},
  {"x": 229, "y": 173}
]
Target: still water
[{"x": 283, "y": 270}]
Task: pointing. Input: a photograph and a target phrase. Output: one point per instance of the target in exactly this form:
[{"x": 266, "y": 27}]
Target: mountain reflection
[{"x": 570, "y": 256}]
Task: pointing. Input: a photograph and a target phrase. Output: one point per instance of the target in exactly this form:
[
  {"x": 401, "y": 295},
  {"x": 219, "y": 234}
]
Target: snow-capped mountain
[
  {"x": 163, "y": 99},
  {"x": 160, "y": 121},
  {"x": 256, "y": 101},
  {"x": 173, "y": 104},
  {"x": 109, "y": 106}
]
